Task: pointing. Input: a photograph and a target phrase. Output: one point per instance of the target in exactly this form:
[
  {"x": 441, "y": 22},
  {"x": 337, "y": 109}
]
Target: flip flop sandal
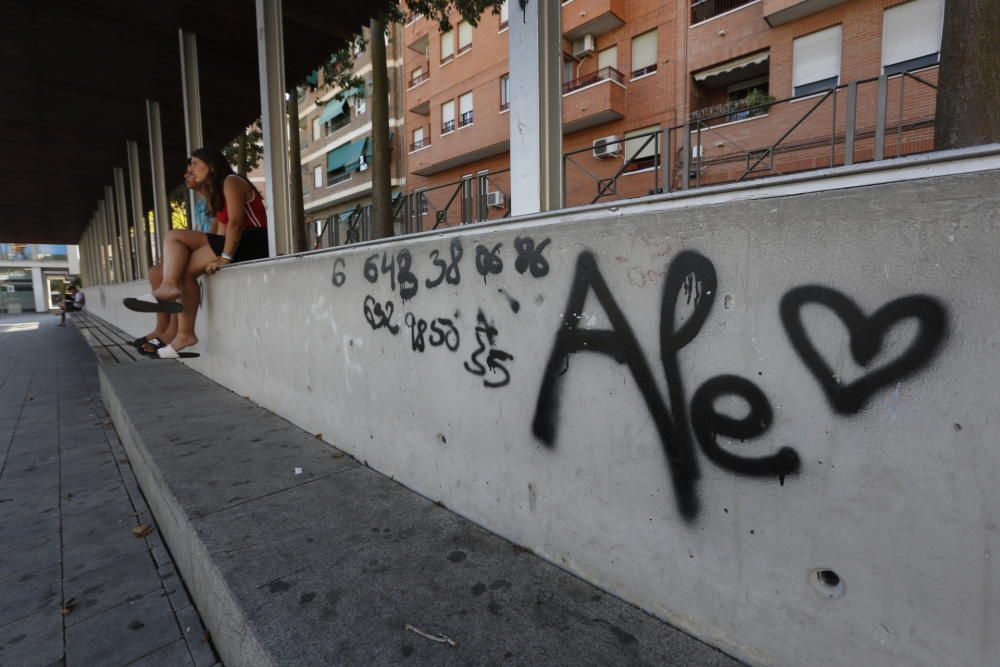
[
  {"x": 168, "y": 352},
  {"x": 148, "y": 304},
  {"x": 151, "y": 347},
  {"x": 140, "y": 343}
]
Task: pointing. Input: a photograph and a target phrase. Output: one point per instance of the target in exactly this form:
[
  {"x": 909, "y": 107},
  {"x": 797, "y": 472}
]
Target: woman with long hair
[{"x": 239, "y": 211}]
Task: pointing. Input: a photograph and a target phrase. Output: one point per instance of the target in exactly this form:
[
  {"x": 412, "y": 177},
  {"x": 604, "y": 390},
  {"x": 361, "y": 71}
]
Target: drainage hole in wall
[{"x": 827, "y": 582}]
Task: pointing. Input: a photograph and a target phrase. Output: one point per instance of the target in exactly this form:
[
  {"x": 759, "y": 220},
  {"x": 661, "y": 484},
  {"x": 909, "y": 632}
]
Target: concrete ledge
[{"x": 297, "y": 554}]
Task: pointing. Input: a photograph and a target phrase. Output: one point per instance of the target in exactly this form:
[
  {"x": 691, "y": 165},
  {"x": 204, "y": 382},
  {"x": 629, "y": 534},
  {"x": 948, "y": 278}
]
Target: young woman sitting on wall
[{"x": 239, "y": 210}]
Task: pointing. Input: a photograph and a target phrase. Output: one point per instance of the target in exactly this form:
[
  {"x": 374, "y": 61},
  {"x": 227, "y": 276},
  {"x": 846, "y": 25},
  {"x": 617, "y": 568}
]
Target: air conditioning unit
[
  {"x": 605, "y": 147},
  {"x": 494, "y": 199},
  {"x": 584, "y": 46}
]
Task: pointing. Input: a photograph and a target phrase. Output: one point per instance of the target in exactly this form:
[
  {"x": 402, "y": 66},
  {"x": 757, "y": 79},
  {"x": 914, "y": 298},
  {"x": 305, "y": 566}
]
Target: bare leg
[
  {"x": 190, "y": 296},
  {"x": 178, "y": 247},
  {"x": 162, "y": 319}
]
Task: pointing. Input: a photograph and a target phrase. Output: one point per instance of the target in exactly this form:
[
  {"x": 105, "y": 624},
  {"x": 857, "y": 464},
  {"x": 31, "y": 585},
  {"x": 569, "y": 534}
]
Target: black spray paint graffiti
[
  {"x": 486, "y": 336},
  {"x": 379, "y": 317},
  {"x": 443, "y": 332},
  {"x": 449, "y": 270},
  {"x": 488, "y": 261},
  {"x": 530, "y": 258},
  {"x": 867, "y": 335},
  {"x": 694, "y": 275}
]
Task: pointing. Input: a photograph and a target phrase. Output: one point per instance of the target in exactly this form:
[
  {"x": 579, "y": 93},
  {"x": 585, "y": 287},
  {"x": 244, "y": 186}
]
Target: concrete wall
[{"x": 696, "y": 402}]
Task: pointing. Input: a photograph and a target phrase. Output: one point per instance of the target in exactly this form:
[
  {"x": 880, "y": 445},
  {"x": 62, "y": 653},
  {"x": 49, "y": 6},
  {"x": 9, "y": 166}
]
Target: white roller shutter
[
  {"x": 634, "y": 144},
  {"x": 608, "y": 58},
  {"x": 464, "y": 35},
  {"x": 447, "y": 112},
  {"x": 447, "y": 45},
  {"x": 644, "y": 50},
  {"x": 816, "y": 57},
  {"x": 912, "y": 30},
  {"x": 465, "y": 104}
]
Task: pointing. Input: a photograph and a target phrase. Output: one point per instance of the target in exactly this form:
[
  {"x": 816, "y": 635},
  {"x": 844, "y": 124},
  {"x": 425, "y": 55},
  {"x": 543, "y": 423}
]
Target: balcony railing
[
  {"x": 603, "y": 74},
  {"x": 465, "y": 119},
  {"x": 420, "y": 143},
  {"x": 504, "y": 106},
  {"x": 418, "y": 79},
  {"x": 447, "y": 126},
  {"x": 702, "y": 10}
]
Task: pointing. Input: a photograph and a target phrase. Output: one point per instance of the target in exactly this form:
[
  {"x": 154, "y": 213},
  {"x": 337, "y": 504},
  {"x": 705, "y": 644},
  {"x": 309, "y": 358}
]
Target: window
[
  {"x": 419, "y": 140},
  {"x": 418, "y": 76},
  {"x": 503, "y": 16},
  {"x": 608, "y": 57},
  {"x": 360, "y": 104},
  {"x": 318, "y": 177},
  {"x": 505, "y": 92},
  {"x": 362, "y": 162},
  {"x": 644, "y": 54},
  {"x": 464, "y": 36},
  {"x": 447, "y": 46},
  {"x": 448, "y": 117},
  {"x": 338, "y": 175},
  {"x": 911, "y": 35},
  {"x": 641, "y": 150},
  {"x": 465, "y": 110},
  {"x": 748, "y": 93},
  {"x": 816, "y": 61},
  {"x": 317, "y": 129}
]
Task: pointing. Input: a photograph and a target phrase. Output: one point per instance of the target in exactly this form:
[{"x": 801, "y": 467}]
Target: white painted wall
[{"x": 898, "y": 498}]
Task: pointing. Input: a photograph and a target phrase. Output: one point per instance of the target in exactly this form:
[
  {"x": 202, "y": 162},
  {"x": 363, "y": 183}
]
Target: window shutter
[
  {"x": 447, "y": 44},
  {"x": 318, "y": 177},
  {"x": 634, "y": 147},
  {"x": 816, "y": 57},
  {"x": 912, "y": 30},
  {"x": 608, "y": 58},
  {"x": 418, "y": 135},
  {"x": 503, "y": 13},
  {"x": 465, "y": 103},
  {"x": 447, "y": 111},
  {"x": 464, "y": 35},
  {"x": 644, "y": 50}
]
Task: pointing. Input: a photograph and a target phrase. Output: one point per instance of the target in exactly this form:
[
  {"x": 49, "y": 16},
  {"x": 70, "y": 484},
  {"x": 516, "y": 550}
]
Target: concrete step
[{"x": 297, "y": 554}]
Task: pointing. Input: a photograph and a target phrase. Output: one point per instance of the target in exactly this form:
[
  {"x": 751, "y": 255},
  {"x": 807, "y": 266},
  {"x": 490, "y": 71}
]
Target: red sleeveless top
[{"x": 256, "y": 214}]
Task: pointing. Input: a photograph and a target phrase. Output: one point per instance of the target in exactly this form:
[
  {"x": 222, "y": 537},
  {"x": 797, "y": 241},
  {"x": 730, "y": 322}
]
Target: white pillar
[
  {"x": 138, "y": 220},
  {"x": 191, "y": 90},
  {"x": 535, "y": 41},
  {"x": 108, "y": 250},
  {"x": 38, "y": 286},
  {"x": 271, "y": 63},
  {"x": 161, "y": 206},
  {"x": 118, "y": 261},
  {"x": 128, "y": 267}
]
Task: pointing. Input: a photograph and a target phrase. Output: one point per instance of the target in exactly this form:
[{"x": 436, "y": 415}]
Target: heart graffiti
[{"x": 867, "y": 338}]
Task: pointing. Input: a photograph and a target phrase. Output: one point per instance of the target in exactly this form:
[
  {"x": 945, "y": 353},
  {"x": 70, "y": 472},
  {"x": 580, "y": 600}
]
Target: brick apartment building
[
  {"x": 335, "y": 141},
  {"x": 633, "y": 67}
]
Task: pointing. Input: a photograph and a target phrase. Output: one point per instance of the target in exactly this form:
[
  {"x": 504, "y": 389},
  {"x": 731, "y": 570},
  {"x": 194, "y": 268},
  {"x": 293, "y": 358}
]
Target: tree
[
  {"x": 246, "y": 150},
  {"x": 969, "y": 79},
  {"x": 339, "y": 71}
]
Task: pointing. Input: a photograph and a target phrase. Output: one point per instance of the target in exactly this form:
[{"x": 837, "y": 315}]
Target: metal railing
[
  {"x": 420, "y": 143},
  {"x": 869, "y": 119},
  {"x": 603, "y": 74},
  {"x": 419, "y": 79},
  {"x": 465, "y": 119},
  {"x": 448, "y": 126},
  {"x": 866, "y": 120},
  {"x": 702, "y": 10}
]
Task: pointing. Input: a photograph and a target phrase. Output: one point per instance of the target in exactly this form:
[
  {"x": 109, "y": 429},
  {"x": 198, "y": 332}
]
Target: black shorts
[{"x": 253, "y": 244}]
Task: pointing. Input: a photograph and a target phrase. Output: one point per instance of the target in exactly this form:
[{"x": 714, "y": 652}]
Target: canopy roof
[{"x": 75, "y": 75}]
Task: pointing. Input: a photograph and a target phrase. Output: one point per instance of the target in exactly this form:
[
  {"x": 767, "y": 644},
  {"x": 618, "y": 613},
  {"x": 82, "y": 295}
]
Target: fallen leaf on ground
[
  {"x": 441, "y": 639},
  {"x": 68, "y": 606},
  {"x": 123, "y": 461},
  {"x": 337, "y": 455},
  {"x": 142, "y": 530},
  {"x": 319, "y": 436}
]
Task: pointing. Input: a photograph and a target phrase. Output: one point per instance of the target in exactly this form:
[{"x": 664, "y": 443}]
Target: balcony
[
  {"x": 420, "y": 143},
  {"x": 593, "y": 99},
  {"x": 779, "y": 12},
  {"x": 418, "y": 79},
  {"x": 594, "y": 17},
  {"x": 702, "y": 10}
]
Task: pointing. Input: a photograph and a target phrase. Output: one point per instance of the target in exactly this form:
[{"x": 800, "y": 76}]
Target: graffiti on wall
[
  {"x": 488, "y": 359},
  {"x": 687, "y": 422},
  {"x": 691, "y": 277}
]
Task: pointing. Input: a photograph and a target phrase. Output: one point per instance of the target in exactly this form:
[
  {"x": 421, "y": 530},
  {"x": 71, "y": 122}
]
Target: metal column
[
  {"x": 107, "y": 257},
  {"x": 114, "y": 229},
  {"x": 123, "y": 227},
  {"x": 138, "y": 219},
  {"x": 271, "y": 63},
  {"x": 161, "y": 206},
  {"x": 191, "y": 89},
  {"x": 535, "y": 56}
]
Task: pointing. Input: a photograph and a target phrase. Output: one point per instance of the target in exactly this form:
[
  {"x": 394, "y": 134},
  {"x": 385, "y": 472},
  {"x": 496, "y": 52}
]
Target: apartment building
[
  {"x": 33, "y": 276},
  {"x": 674, "y": 93},
  {"x": 335, "y": 140}
]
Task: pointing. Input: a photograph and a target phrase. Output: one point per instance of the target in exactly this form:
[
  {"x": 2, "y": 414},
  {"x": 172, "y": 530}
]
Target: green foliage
[{"x": 253, "y": 149}]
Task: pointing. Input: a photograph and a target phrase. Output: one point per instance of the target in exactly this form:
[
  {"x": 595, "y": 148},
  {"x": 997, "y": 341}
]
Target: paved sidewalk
[{"x": 77, "y": 587}]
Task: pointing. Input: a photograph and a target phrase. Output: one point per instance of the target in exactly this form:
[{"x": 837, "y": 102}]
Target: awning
[
  {"x": 331, "y": 110},
  {"x": 345, "y": 156},
  {"x": 733, "y": 65}
]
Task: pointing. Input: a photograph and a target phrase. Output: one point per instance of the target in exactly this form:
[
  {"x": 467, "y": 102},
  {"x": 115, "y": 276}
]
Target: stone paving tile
[
  {"x": 171, "y": 655},
  {"x": 33, "y": 592},
  {"x": 68, "y": 502},
  {"x": 128, "y": 578},
  {"x": 32, "y": 640},
  {"x": 122, "y": 634}
]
